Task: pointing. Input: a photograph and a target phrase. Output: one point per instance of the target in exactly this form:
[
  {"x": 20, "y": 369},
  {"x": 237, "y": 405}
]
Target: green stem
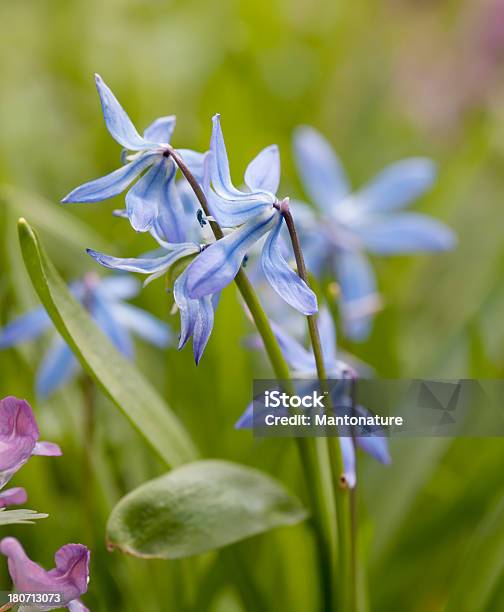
[
  {"x": 88, "y": 397},
  {"x": 341, "y": 492},
  {"x": 353, "y": 506},
  {"x": 312, "y": 464}
]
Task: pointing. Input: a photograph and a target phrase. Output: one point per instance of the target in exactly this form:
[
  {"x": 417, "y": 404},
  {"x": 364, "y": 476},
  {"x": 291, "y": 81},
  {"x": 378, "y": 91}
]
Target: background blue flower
[
  {"x": 302, "y": 364},
  {"x": 347, "y": 225},
  {"x": 104, "y": 298}
]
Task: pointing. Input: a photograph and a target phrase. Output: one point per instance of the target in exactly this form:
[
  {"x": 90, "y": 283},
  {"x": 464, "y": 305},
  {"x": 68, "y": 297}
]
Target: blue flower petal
[
  {"x": 26, "y": 327},
  {"x": 321, "y": 172},
  {"x": 143, "y": 324},
  {"x": 220, "y": 175},
  {"x": 397, "y": 185},
  {"x": 171, "y": 220},
  {"x": 103, "y": 314},
  {"x": 263, "y": 172},
  {"x": 119, "y": 287},
  {"x": 76, "y": 605},
  {"x": 256, "y": 412},
  {"x": 348, "y": 454},
  {"x": 228, "y": 205},
  {"x": 188, "y": 309},
  {"x": 282, "y": 278},
  {"x": 111, "y": 184},
  {"x": 144, "y": 198},
  {"x": 161, "y": 130},
  {"x": 203, "y": 326},
  {"x": 233, "y": 213},
  {"x": 118, "y": 123},
  {"x": 196, "y": 317},
  {"x": 246, "y": 421},
  {"x": 358, "y": 292},
  {"x": 406, "y": 233},
  {"x": 58, "y": 367},
  {"x": 147, "y": 265},
  {"x": 298, "y": 358},
  {"x": 219, "y": 263},
  {"x": 376, "y": 446},
  {"x": 327, "y": 332},
  {"x": 376, "y": 443}
]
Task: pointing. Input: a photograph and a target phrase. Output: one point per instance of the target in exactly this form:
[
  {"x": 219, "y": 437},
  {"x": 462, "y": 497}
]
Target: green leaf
[
  {"x": 483, "y": 565},
  {"x": 19, "y": 517},
  {"x": 116, "y": 376},
  {"x": 199, "y": 507}
]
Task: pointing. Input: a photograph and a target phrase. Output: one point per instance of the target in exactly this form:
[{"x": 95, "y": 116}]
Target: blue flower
[
  {"x": 255, "y": 213},
  {"x": 104, "y": 299},
  {"x": 153, "y": 199},
  {"x": 303, "y": 366},
  {"x": 196, "y": 316},
  {"x": 348, "y": 225}
]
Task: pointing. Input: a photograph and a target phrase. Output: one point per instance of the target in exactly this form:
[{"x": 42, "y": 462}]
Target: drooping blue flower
[
  {"x": 104, "y": 300},
  {"x": 302, "y": 363},
  {"x": 347, "y": 226},
  {"x": 69, "y": 579},
  {"x": 196, "y": 316},
  {"x": 254, "y": 213},
  {"x": 153, "y": 199}
]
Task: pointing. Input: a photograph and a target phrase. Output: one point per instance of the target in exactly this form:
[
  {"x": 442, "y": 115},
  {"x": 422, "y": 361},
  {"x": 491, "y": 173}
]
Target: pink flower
[
  {"x": 19, "y": 436},
  {"x": 69, "y": 579}
]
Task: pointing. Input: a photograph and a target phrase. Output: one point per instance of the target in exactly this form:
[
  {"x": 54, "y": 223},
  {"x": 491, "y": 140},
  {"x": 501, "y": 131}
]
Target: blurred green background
[{"x": 382, "y": 80}]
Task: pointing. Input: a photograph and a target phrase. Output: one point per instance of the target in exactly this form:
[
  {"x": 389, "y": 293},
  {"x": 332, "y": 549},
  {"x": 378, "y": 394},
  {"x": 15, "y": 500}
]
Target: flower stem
[
  {"x": 341, "y": 492},
  {"x": 315, "y": 473},
  {"x": 198, "y": 191},
  {"x": 353, "y": 506}
]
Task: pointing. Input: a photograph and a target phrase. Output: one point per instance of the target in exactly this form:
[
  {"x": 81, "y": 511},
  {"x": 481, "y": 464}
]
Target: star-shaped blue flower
[
  {"x": 254, "y": 213},
  {"x": 104, "y": 300},
  {"x": 152, "y": 199},
  {"x": 347, "y": 226},
  {"x": 196, "y": 315},
  {"x": 303, "y": 367}
]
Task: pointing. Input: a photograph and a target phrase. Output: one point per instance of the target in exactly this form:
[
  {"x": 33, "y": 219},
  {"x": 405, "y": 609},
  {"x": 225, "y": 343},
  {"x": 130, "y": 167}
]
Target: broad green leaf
[
  {"x": 118, "y": 378},
  {"x": 19, "y": 517},
  {"x": 483, "y": 565},
  {"x": 199, "y": 507}
]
